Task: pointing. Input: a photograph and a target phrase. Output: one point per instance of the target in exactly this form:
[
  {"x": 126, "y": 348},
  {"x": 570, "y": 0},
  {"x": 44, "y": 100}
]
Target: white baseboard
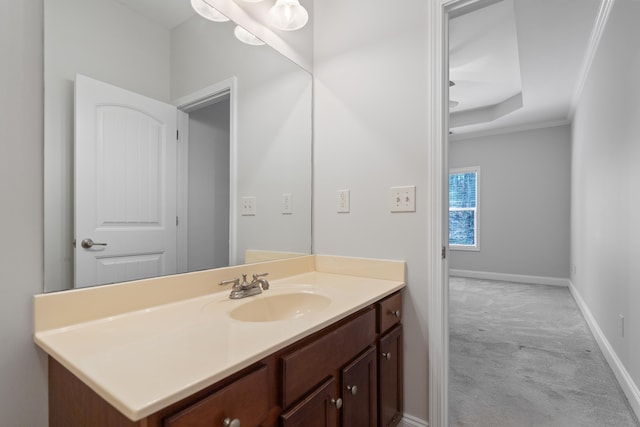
[
  {"x": 505, "y": 277},
  {"x": 627, "y": 384},
  {"x": 409, "y": 421}
]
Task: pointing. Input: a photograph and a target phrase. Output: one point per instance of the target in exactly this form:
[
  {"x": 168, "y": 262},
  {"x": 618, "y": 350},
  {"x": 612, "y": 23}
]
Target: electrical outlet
[
  {"x": 249, "y": 206},
  {"x": 403, "y": 199},
  {"x": 343, "y": 201},
  {"x": 287, "y": 208}
]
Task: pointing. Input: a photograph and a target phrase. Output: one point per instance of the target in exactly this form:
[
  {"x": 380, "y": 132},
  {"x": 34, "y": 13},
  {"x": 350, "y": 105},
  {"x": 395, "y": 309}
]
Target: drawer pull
[
  {"x": 228, "y": 422},
  {"x": 395, "y": 313},
  {"x": 387, "y": 355},
  {"x": 353, "y": 389},
  {"x": 337, "y": 402}
]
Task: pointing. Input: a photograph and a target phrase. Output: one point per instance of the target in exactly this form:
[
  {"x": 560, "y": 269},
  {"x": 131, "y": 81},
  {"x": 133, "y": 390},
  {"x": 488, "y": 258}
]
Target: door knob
[
  {"x": 353, "y": 389},
  {"x": 228, "y": 422},
  {"x": 88, "y": 244},
  {"x": 387, "y": 355},
  {"x": 337, "y": 402}
]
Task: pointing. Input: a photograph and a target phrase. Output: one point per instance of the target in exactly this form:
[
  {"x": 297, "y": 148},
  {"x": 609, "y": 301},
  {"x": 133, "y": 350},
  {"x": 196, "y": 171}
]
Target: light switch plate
[
  {"x": 403, "y": 199},
  {"x": 343, "y": 201},
  {"x": 287, "y": 208},
  {"x": 249, "y": 206}
]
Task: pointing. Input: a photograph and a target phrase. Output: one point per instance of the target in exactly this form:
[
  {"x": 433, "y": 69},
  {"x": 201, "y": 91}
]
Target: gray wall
[
  {"x": 605, "y": 187},
  {"x": 23, "y": 373},
  {"x": 370, "y": 133},
  {"x": 209, "y": 187},
  {"x": 274, "y": 128},
  {"x": 524, "y": 199}
]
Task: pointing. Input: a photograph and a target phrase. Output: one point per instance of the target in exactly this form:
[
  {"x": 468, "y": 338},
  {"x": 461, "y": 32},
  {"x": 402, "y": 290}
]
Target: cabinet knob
[
  {"x": 395, "y": 313},
  {"x": 387, "y": 355},
  {"x": 337, "y": 402},
  {"x": 353, "y": 389},
  {"x": 228, "y": 422}
]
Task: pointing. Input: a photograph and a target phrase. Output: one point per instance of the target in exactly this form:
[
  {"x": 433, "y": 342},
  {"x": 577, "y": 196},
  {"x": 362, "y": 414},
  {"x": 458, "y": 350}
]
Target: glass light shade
[
  {"x": 207, "y": 11},
  {"x": 288, "y": 15},
  {"x": 252, "y": 1},
  {"x": 246, "y": 37}
]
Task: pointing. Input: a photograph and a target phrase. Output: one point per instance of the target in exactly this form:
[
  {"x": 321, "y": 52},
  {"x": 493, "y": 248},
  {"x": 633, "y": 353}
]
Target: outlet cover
[
  {"x": 249, "y": 206},
  {"x": 403, "y": 199}
]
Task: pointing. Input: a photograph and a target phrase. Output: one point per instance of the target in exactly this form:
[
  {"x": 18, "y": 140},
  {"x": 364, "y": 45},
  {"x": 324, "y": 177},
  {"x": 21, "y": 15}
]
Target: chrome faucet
[{"x": 246, "y": 289}]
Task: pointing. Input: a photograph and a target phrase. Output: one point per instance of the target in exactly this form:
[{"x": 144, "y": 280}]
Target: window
[{"x": 463, "y": 208}]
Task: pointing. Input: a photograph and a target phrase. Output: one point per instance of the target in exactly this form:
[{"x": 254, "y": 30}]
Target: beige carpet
[{"x": 522, "y": 355}]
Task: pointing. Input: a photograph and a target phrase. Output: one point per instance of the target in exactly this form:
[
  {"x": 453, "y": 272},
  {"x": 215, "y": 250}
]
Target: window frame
[{"x": 458, "y": 171}]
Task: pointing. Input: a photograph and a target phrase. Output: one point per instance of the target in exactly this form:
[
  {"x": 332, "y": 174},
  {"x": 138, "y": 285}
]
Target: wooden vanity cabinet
[
  {"x": 318, "y": 409},
  {"x": 390, "y": 372},
  {"x": 360, "y": 390},
  {"x": 337, "y": 377},
  {"x": 390, "y": 365}
]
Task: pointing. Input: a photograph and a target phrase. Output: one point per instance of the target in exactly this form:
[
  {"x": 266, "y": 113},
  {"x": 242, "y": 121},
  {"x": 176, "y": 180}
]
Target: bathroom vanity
[{"x": 321, "y": 347}]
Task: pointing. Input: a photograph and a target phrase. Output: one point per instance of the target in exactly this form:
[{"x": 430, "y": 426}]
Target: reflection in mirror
[{"x": 244, "y": 115}]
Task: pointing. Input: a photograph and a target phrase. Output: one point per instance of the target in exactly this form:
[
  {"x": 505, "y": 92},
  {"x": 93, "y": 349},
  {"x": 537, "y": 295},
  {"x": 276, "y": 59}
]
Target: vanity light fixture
[
  {"x": 288, "y": 15},
  {"x": 207, "y": 11},
  {"x": 246, "y": 37}
]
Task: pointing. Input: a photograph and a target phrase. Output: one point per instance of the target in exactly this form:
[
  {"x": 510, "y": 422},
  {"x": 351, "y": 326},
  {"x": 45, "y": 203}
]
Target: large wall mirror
[{"x": 233, "y": 187}]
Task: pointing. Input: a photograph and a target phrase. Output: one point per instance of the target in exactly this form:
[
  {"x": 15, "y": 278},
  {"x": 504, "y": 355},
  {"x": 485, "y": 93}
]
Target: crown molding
[
  {"x": 500, "y": 131},
  {"x": 594, "y": 41}
]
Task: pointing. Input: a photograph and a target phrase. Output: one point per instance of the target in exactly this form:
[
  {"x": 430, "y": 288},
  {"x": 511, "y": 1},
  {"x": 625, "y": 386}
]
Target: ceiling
[{"x": 517, "y": 63}]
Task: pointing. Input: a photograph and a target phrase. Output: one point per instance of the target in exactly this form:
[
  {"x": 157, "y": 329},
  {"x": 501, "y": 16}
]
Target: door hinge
[
  {"x": 176, "y": 221},
  {"x": 177, "y": 135},
  {"x": 444, "y": 252}
]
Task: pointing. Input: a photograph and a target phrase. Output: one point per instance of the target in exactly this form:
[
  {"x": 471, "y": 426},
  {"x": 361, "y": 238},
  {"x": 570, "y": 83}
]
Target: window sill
[{"x": 464, "y": 248}]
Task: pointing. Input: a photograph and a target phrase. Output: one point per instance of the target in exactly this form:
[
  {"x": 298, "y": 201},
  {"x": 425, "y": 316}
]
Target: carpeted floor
[{"x": 523, "y": 356}]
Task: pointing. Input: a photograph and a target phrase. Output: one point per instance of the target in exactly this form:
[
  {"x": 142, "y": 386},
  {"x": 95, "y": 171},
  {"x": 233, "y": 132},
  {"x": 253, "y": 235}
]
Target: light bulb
[
  {"x": 207, "y": 11},
  {"x": 246, "y": 37},
  {"x": 288, "y": 15}
]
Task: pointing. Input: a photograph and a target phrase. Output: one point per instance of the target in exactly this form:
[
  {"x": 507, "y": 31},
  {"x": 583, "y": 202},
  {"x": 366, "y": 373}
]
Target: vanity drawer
[
  {"x": 245, "y": 399},
  {"x": 307, "y": 366},
  {"x": 389, "y": 312}
]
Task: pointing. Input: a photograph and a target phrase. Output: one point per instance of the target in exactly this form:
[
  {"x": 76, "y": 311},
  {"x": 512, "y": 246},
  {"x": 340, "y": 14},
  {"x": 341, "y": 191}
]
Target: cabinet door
[
  {"x": 319, "y": 409},
  {"x": 390, "y": 377},
  {"x": 359, "y": 391}
]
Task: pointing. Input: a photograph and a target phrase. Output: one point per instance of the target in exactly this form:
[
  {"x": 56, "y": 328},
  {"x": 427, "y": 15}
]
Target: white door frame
[
  {"x": 437, "y": 311},
  {"x": 199, "y": 99},
  {"x": 438, "y": 221}
]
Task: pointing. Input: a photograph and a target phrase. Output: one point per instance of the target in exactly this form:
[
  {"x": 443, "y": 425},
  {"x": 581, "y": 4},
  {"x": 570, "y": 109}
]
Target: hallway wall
[
  {"x": 208, "y": 242},
  {"x": 524, "y": 200},
  {"x": 605, "y": 204}
]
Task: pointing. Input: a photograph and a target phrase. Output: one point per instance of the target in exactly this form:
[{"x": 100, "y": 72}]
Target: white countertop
[{"x": 144, "y": 360}]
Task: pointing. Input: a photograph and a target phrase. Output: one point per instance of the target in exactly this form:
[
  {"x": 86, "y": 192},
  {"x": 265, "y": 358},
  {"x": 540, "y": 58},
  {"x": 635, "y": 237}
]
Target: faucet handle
[
  {"x": 244, "y": 283},
  {"x": 234, "y": 281},
  {"x": 256, "y": 276}
]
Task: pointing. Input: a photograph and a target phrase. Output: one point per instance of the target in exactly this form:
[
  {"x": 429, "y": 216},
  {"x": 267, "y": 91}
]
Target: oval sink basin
[{"x": 280, "y": 307}]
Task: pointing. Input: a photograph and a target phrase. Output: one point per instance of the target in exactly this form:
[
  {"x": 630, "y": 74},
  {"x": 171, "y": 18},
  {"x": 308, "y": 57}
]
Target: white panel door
[{"x": 125, "y": 184}]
